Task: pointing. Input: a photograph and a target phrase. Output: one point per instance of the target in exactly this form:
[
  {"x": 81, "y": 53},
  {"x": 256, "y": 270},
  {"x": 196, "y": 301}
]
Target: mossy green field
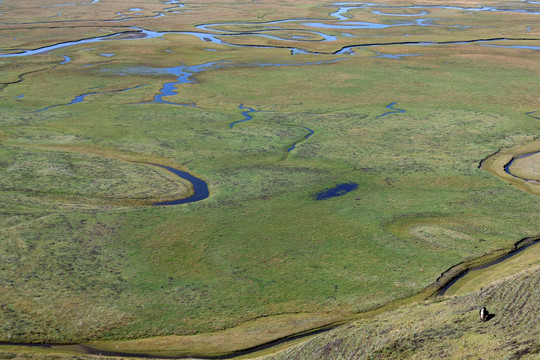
[{"x": 85, "y": 256}]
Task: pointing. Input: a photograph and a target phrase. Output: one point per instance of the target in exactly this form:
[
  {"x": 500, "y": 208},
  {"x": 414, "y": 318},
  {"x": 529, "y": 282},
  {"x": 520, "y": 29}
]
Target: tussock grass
[
  {"x": 442, "y": 328},
  {"x": 76, "y": 267}
]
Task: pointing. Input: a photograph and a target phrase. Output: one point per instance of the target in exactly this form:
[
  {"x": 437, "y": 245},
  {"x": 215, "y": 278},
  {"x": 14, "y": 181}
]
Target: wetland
[{"x": 241, "y": 119}]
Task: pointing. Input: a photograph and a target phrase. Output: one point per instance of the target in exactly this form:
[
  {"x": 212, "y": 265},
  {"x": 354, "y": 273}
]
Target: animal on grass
[{"x": 484, "y": 314}]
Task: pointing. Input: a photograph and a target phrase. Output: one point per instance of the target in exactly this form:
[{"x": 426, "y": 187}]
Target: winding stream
[
  {"x": 394, "y": 110},
  {"x": 512, "y": 253},
  {"x": 213, "y": 38},
  {"x": 310, "y": 132},
  {"x": 246, "y": 115},
  {"x": 200, "y": 187},
  {"x": 215, "y": 32},
  {"x": 66, "y": 44},
  {"x": 514, "y": 46},
  {"x": 507, "y": 166},
  {"x": 184, "y": 75},
  {"x": 80, "y": 98},
  {"x": 345, "y": 7}
]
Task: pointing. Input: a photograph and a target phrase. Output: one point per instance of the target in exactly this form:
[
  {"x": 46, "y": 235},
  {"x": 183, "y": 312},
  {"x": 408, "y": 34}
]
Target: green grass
[
  {"x": 447, "y": 328},
  {"x": 86, "y": 178},
  {"x": 80, "y": 263}
]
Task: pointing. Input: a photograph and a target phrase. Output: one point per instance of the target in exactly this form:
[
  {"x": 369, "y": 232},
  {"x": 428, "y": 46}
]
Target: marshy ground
[{"x": 92, "y": 91}]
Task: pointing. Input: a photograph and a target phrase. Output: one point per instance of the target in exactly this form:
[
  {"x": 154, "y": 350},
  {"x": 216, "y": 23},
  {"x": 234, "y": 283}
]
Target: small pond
[{"x": 338, "y": 190}]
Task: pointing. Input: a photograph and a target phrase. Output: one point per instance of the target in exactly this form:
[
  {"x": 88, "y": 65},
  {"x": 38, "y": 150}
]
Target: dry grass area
[
  {"x": 448, "y": 328},
  {"x": 476, "y": 279},
  {"x": 526, "y": 167},
  {"x": 245, "y": 336},
  {"x": 443, "y": 328}
]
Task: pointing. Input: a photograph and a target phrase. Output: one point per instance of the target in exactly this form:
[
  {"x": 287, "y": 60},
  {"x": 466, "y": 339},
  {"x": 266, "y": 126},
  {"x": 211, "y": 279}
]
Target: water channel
[
  {"x": 218, "y": 34},
  {"x": 508, "y": 166},
  {"x": 200, "y": 187}
]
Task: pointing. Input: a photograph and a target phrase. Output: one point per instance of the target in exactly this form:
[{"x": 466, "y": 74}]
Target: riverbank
[
  {"x": 450, "y": 327},
  {"x": 447, "y": 328},
  {"x": 520, "y": 174},
  {"x": 276, "y": 333}
]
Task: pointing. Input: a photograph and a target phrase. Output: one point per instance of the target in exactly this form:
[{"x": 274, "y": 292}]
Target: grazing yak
[{"x": 484, "y": 314}]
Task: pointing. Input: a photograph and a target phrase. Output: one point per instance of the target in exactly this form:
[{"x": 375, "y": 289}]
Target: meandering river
[
  {"x": 200, "y": 187},
  {"x": 217, "y": 32}
]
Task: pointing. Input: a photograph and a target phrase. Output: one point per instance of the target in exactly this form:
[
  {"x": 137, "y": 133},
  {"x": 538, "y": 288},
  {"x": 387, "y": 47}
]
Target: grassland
[
  {"x": 83, "y": 258},
  {"x": 444, "y": 328}
]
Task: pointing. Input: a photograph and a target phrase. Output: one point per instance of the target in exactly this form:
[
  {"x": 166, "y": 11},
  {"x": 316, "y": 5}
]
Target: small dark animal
[{"x": 484, "y": 314}]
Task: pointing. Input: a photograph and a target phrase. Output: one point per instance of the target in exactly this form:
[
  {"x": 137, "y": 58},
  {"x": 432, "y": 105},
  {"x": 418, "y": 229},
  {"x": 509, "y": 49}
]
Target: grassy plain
[
  {"x": 446, "y": 327},
  {"x": 84, "y": 260}
]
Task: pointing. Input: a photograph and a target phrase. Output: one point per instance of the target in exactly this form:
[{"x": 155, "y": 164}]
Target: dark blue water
[
  {"x": 394, "y": 110},
  {"x": 246, "y": 114},
  {"x": 338, "y": 190},
  {"x": 200, "y": 187},
  {"x": 507, "y": 166},
  {"x": 311, "y": 132},
  {"x": 20, "y": 96}
]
